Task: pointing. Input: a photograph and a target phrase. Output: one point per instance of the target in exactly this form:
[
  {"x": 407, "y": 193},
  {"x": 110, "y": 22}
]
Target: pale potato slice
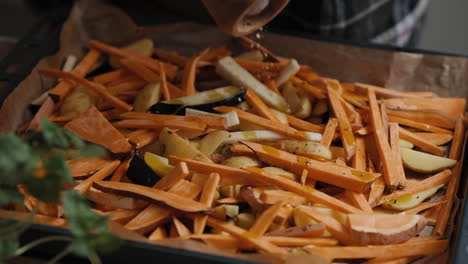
[
  {"x": 230, "y": 191},
  {"x": 174, "y": 145},
  {"x": 212, "y": 141},
  {"x": 290, "y": 70},
  {"x": 409, "y": 201},
  {"x": 424, "y": 162},
  {"x": 281, "y": 116},
  {"x": 253, "y": 55},
  {"x": 160, "y": 165},
  {"x": 143, "y": 46},
  {"x": 298, "y": 100},
  {"x": 304, "y": 148},
  {"x": 302, "y": 219},
  {"x": 245, "y": 220},
  {"x": 406, "y": 144},
  {"x": 225, "y": 211},
  {"x": 78, "y": 101},
  {"x": 320, "y": 108},
  {"x": 241, "y": 162},
  {"x": 281, "y": 172},
  {"x": 146, "y": 97},
  {"x": 384, "y": 229}
]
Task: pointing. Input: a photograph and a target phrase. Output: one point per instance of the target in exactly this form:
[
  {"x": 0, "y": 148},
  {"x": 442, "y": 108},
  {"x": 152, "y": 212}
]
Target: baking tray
[{"x": 43, "y": 40}]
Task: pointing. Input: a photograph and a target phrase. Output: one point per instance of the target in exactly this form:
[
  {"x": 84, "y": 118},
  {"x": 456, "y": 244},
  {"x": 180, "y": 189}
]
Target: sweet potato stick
[
  {"x": 272, "y": 85},
  {"x": 433, "y": 118},
  {"x": 359, "y": 201},
  {"x": 148, "y": 219},
  {"x": 241, "y": 150},
  {"x": 253, "y": 45},
  {"x": 396, "y": 156},
  {"x": 390, "y": 175},
  {"x": 206, "y": 198},
  {"x": 114, "y": 101},
  {"x": 84, "y": 167},
  {"x": 158, "y": 234},
  {"x": 62, "y": 89},
  {"x": 377, "y": 190},
  {"x": 381, "y": 92},
  {"x": 264, "y": 221},
  {"x": 430, "y": 182},
  {"x": 304, "y": 125},
  {"x": 308, "y": 88},
  {"x": 329, "y": 132},
  {"x": 455, "y": 153},
  {"x": 147, "y": 61},
  {"x": 140, "y": 70},
  {"x": 295, "y": 187},
  {"x": 420, "y": 142},
  {"x": 171, "y": 57},
  {"x": 260, "y": 107},
  {"x": 435, "y": 138},
  {"x": 418, "y": 125},
  {"x": 151, "y": 194},
  {"x": 347, "y": 136},
  {"x": 186, "y": 189},
  {"x": 450, "y": 106},
  {"x": 121, "y": 171},
  {"x": 179, "y": 172},
  {"x": 164, "y": 86},
  {"x": 384, "y": 116},
  {"x": 423, "y": 206},
  {"x": 276, "y": 240},
  {"x": 229, "y": 175},
  {"x": 332, "y": 225},
  {"x": 215, "y": 122},
  {"x": 153, "y": 124},
  {"x": 263, "y": 122},
  {"x": 46, "y": 109},
  {"x": 189, "y": 74},
  {"x": 398, "y": 250},
  {"x": 142, "y": 137},
  {"x": 98, "y": 176},
  {"x": 181, "y": 229},
  {"x": 243, "y": 235},
  {"x": 328, "y": 172},
  {"x": 111, "y": 76}
]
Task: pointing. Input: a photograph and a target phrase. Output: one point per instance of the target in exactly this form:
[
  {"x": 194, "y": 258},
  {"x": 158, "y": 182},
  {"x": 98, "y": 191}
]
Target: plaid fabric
[{"x": 382, "y": 21}]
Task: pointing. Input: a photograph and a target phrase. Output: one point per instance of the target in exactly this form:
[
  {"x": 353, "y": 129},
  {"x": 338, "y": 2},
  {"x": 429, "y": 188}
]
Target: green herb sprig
[{"x": 37, "y": 161}]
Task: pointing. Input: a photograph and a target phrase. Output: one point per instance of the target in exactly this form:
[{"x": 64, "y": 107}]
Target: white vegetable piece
[
  {"x": 253, "y": 55},
  {"x": 174, "y": 145},
  {"x": 231, "y": 117},
  {"x": 298, "y": 100},
  {"x": 406, "y": 144},
  {"x": 146, "y": 97},
  {"x": 143, "y": 47},
  {"x": 424, "y": 162},
  {"x": 241, "y": 162},
  {"x": 304, "y": 148},
  {"x": 212, "y": 141},
  {"x": 282, "y": 117},
  {"x": 288, "y": 71},
  {"x": 409, "y": 201},
  {"x": 207, "y": 97},
  {"x": 160, "y": 165},
  {"x": 233, "y": 72},
  {"x": 265, "y": 135},
  {"x": 70, "y": 63}
]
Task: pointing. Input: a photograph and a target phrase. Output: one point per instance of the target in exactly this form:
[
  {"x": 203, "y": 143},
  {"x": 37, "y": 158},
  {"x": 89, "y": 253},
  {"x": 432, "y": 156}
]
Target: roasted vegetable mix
[{"x": 278, "y": 160}]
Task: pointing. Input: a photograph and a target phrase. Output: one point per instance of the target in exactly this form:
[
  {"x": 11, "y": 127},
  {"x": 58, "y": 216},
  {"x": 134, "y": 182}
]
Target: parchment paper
[{"x": 447, "y": 76}]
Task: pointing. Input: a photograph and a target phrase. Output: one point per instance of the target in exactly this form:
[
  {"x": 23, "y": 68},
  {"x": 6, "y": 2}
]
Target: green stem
[
  {"x": 94, "y": 258},
  {"x": 25, "y": 248},
  {"x": 60, "y": 255}
]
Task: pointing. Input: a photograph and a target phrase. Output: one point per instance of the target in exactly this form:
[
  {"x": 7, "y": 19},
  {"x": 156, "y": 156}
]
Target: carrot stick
[
  {"x": 377, "y": 190},
  {"x": 151, "y": 217},
  {"x": 347, "y": 136},
  {"x": 384, "y": 117},
  {"x": 64, "y": 88},
  {"x": 329, "y": 132},
  {"x": 61, "y": 119},
  {"x": 433, "y": 118},
  {"x": 241, "y": 150},
  {"x": 420, "y": 142},
  {"x": 304, "y": 125},
  {"x": 435, "y": 138},
  {"x": 121, "y": 170},
  {"x": 143, "y": 138},
  {"x": 275, "y": 196},
  {"x": 333, "y": 226},
  {"x": 180, "y": 228},
  {"x": 122, "y": 216},
  {"x": 430, "y": 182},
  {"x": 263, "y": 122},
  {"x": 397, "y": 250},
  {"x": 264, "y": 221},
  {"x": 390, "y": 174},
  {"x": 229, "y": 175},
  {"x": 164, "y": 87},
  {"x": 94, "y": 127},
  {"x": 189, "y": 74},
  {"x": 186, "y": 189},
  {"x": 179, "y": 172},
  {"x": 91, "y": 85},
  {"x": 111, "y": 76},
  {"x": 147, "y": 61},
  {"x": 450, "y": 106},
  {"x": 272, "y": 85},
  {"x": 215, "y": 122},
  {"x": 153, "y": 124},
  {"x": 207, "y": 197},
  {"x": 423, "y": 206},
  {"x": 244, "y": 235},
  {"x": 98, "y": 176},
  {"x": 259, "y": 106},
  {"x": 295, "y": 187},
  {"x": 327, "y": 172},
  {"x": 395, "y": 154},
  {"x": 312, "y": 90},
  {"x": 418, "y": 125},
  {"x": 46, "y": 109}
]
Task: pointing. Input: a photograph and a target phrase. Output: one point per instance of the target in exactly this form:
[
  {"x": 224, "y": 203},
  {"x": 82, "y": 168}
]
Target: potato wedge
[
  {"x": 320, "y": 108},
  {"x": 298, "y": 100},
  {"x": 146, "y": 97},
  {"x": 175, "y": 145},
  {"x": 225, "y": 211},
  {"x": 143, "y": 46},
  {"x": 305, "y": 148},
  {"x": 409, "y": 201},
  {"x": 424, "y": 162},
  {"x": 160, "y": 165},
  {"x": 241, "y": 162},
  {"x": 212, "y": 141},
  {"x": 78, "y": 101},
  {"x": 406, "y": 144},
  {"x": 281, "y": 172},
  {"x": 245, "y": 220}
]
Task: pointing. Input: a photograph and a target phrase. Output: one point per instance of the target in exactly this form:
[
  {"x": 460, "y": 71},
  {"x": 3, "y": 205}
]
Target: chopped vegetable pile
[{"x": 256, "y": 152}]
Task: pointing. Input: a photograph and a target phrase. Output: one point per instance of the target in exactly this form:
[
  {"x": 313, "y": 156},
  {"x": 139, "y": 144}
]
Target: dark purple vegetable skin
[{"x": 140, "y": 173}]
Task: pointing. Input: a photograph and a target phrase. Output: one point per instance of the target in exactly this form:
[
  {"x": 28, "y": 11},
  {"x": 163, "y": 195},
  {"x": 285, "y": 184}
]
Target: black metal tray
[{"x": 43, "y": 40}]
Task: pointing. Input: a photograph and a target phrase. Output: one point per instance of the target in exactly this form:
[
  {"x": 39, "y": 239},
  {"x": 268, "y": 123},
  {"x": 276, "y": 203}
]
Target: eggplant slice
[{"x": 140, "y": 173}]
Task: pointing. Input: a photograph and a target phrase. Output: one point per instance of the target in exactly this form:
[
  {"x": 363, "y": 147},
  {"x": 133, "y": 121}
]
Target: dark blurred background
[{"x": 443, "y": 29}]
